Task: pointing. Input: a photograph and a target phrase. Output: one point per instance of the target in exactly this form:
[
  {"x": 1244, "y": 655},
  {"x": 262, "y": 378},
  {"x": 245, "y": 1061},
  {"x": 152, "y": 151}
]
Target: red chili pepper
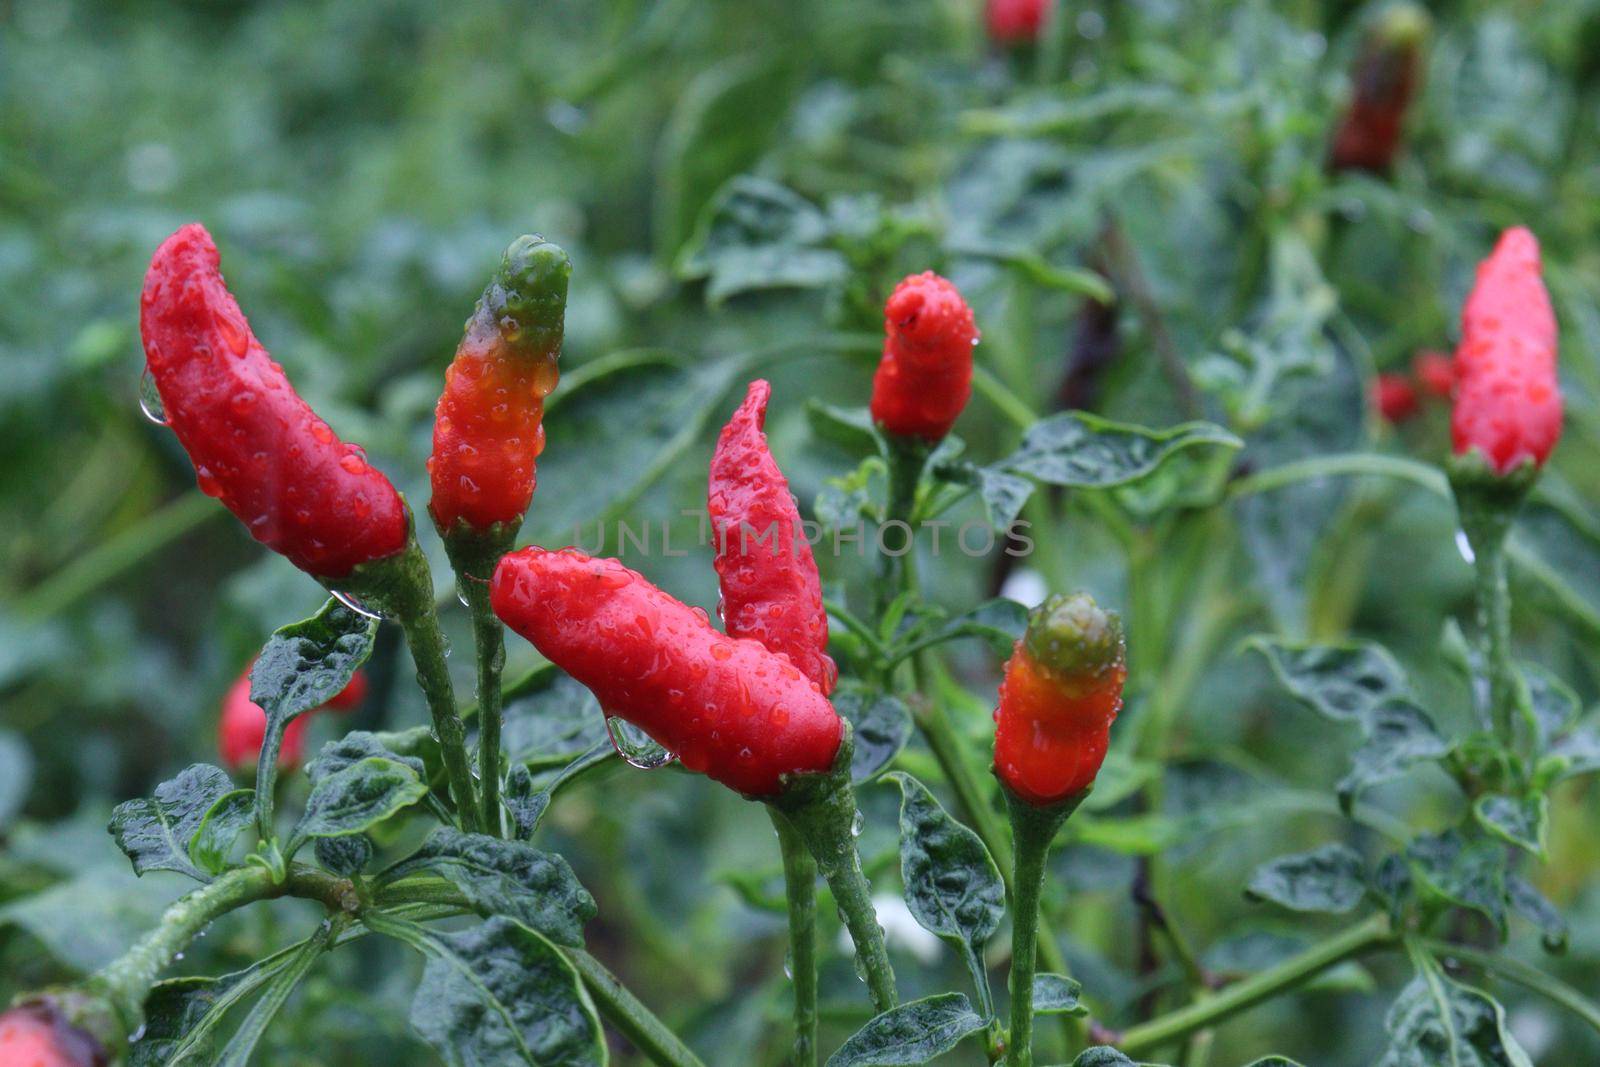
[
  {"x": 728, "y": 708},
  {"x": 1062, "y": 690},
  {"x": 1435, "y": 373},
  {"x": 925, "y": 376},
  {"x": 1508, "y": 400},
  {"x": 1395, "y": 397},
  {"x": 1386, "y": 79},
  {"x": 488, "y": 429},
  {"x": 255, "y": 445},
  {"x": 1016, "y": 21},
  {"x": 771, "y": 592},
  {"x": 33, "y": 1034}
]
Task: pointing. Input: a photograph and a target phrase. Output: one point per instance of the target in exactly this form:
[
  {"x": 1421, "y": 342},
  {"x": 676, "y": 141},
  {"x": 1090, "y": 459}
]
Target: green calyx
[
  {"x": 1404, "y": 25},
  {"x": 527, "y": 297},
  {"x": 1072, "y": 636},
  {"x": 1487, "y": 499}
]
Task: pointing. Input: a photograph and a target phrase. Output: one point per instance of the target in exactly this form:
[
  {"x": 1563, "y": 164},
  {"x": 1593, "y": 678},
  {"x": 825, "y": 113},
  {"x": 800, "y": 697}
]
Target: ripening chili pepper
[
  {"x": 1508, "y": 400},
  {"x": 1386, "y": 78},
  {"x": 1435, "y": 373},
  {"x": 727, "y": 707},
  {"x": 1395, "y": 397},
  {"x": 488, "y": 429},
  {"x": 771, "y": 592},
  {"x": 925, "y": 376},
  {"x": 34, "y": 1034},
  {"x": 1062, "y": 690},
  {"x": 255, "y": 445},
  {"x": 1016, "y": 21}
]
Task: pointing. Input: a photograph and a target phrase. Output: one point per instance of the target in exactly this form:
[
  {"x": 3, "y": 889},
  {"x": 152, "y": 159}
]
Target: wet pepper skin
[
  {"x": 1386, "y": 80},
  {"x": 925, "y": 376},
  {"x": 488, "y": 428},
  {"x": 727, "y": 707},
  {"x": 771, "y": 591},
  {"x": 256, "y": 446},
  {"x": 1508, "y": 400},
  {"x": 33, "y": 1035},
  {"x": 1061, "y": 692}
]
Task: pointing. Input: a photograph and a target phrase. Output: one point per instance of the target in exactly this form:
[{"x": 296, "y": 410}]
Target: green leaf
[
  {"x": 881, "y": 726},
  {"x": 844, "y": 501},
  {"x": 554, "y": 721},
  {"x": 849, "y": 428},
  {"x": 1342, "y": 682},
  {"x": 953, "y": 887},
  {"x": 351, "y": 749},
  {"x": 1439, "y": 1022},
  {"x": 1330, "y": 879},
  {"x": 759, "y": 235},
  {"x": 911, "y": 1034},
  {"x": 1399, "y": 734},
  {"x": 497, "y": 994},
  {"x": 1526, "y": 900},
  {"x": 1273, "y": 1061},
  {"x": 219, "y": 830},
  {"x": 1520, "y": 821},
  {"x": 345, "y": 856},
  {"x": 173, "y": 1015},
  {"x": 1085, "y": 451},
  {"x": 1003, "y": 493},
  {"x": 1056, "y": 994},
  {"x": 156, "y": 832},
  {"x": 508, "y": 878},
  {"x": 1579, "y": 751},
  {"x": 277, "y": 988},
  {"x": 358, "y": 797},
  {"x": 1102, "y": 1056},
  {"x": 93, "y": 917},
  {"x": 1555, "y": 705},
  {"x": 1000, "y": 622},
  {"x": 1469, "y": 874},
  {"x": 307, "y": 663}
]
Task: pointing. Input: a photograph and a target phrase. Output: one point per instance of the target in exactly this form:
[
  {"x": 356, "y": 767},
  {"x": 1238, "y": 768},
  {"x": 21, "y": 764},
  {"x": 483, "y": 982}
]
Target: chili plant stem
[
  {"x": 127, "y": 981},
  {"x": 433, "y": 674},
  {"x": 1292, "y": 972},
  {"x": 800, "y": 888},
  {"x": 1494, "y": 622},
  {"x": 1032, "y": 828},
  {"x": 489, "y": 639},
  {"x": 636, "y": 1022}
]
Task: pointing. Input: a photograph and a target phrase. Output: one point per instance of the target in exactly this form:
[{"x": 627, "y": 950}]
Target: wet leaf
[
  {"x": 156, "y": 832},
  {"x": 1330, "y": 879},
  {"x": 1342, "y": 682},
  {"x": 911, "y": 1034}
]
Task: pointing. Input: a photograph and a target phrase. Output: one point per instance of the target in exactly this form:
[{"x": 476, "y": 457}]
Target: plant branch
[
  {"x": 625, "y": 1011},
  {"x": 1292, "y": 972},
  {"x": 800, "y": 889},
  {"x": 1522, "y": 974}
]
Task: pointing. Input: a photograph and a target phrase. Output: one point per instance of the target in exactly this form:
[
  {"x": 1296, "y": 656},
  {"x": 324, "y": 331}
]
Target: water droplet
[
  {"x": 150, "y": 400},
  {"x": 636, "y": 746},
  {"x": 1464, "y": 546},
  {"x": 138, "y": 1035},
  {"x": 177, "y": 955},
  {"x": 857, "y": 824},
  {"x": 349, "y": 600}
]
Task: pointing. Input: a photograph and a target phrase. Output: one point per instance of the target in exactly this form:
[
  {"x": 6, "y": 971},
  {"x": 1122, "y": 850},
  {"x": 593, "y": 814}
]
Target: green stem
[
  {"x": 1033, "y": 829},
  {"x": 1514, "y": 970},
  {"x": 1286, "y": 474},
  {"x": 127, "y": 981},
  {"x": 1292, "y": 972},
  {"x": 490, "y": 641},
  {"x": 1494, "y": 623},
  {"x": 800, "y": 888},
  {"x": 433, "y": 675},
  {"x": 635, "y": 1021},
  {"x": 906, "y": 458},
  {"x": 822, "y": 810}
]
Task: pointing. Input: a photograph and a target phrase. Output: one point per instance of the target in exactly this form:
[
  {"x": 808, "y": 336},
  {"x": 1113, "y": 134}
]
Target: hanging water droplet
[
  {"x": 788, "y": 965},
  {"x": 1464, "y": 546},
  {"x": 150, "y": 400},
  {"x": 138, "y": 1035},
  {"x": 857, "y": 824},
  {"x": 349, "y": 600},
  {"x": 177, "y": 955},
  {"x": 635, "y": 746}
]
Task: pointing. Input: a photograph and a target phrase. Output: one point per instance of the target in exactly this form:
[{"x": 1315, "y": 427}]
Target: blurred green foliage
[{"x": 362, "y": 165}]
